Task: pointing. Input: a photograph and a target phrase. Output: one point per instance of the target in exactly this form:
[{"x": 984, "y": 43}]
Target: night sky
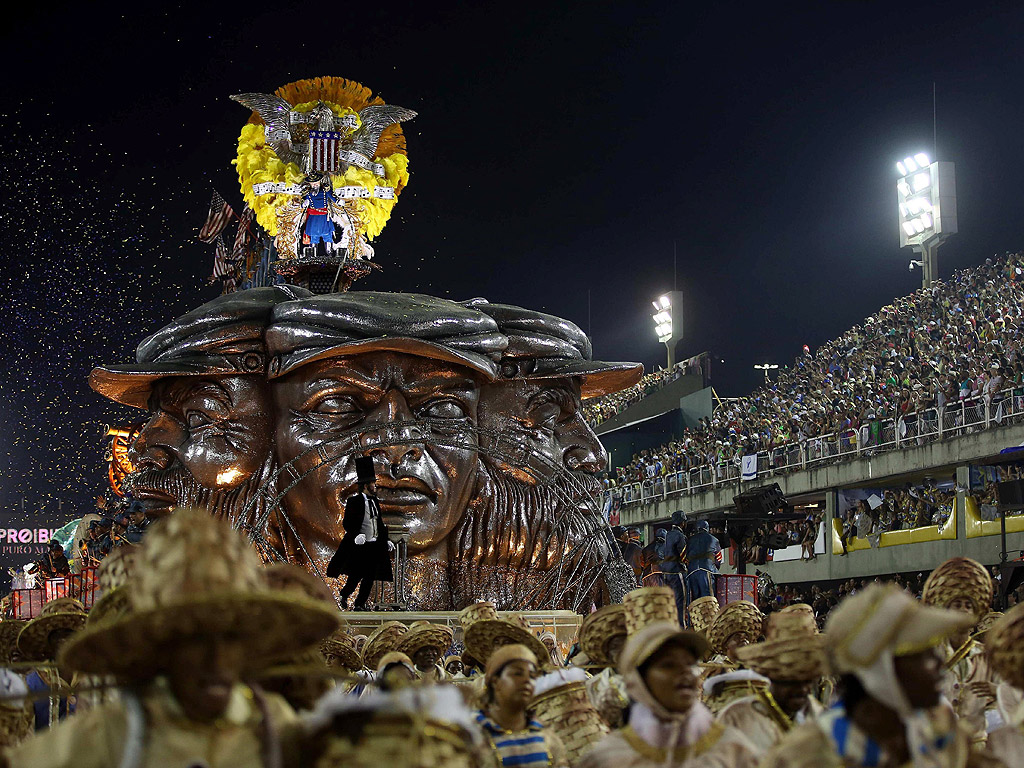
[{"x": 559, "y": 152}]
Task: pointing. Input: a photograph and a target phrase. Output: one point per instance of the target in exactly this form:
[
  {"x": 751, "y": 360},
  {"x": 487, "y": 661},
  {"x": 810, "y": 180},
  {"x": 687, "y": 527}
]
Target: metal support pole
[{"x": 671, "y": 347}]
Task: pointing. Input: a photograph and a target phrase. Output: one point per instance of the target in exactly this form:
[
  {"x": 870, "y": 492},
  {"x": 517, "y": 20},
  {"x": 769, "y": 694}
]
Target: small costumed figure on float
[{"x": 321, "y": 163}]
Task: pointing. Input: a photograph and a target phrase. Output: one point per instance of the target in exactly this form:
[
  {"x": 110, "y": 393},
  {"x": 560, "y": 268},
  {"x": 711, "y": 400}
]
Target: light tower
[
  {"x": 668, "y": 321},
  {"x": 926, "y": 194}
]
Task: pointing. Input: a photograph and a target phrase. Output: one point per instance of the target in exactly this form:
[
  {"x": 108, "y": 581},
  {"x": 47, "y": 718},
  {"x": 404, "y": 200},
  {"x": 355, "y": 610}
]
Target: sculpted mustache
[{"x": 176, "y": 482}]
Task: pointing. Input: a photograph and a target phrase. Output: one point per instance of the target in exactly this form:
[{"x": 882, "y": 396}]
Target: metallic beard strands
[{"x": 76, "y": 243}]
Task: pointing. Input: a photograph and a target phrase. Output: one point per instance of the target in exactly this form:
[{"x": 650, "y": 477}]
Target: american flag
[
  {"x": 238, "y": 252},
  {"x": 323, "y": 147},
  {"x": 221, "y": 267},
  {"x": 218, "y": 217}
]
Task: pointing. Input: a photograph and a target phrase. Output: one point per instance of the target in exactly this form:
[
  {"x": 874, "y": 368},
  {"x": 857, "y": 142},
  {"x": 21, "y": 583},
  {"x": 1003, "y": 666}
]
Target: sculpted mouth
[{"x": 406, "y": 491}]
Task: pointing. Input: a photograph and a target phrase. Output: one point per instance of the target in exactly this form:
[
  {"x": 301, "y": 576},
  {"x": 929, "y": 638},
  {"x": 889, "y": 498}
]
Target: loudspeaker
[
  {"x": 1010, "y": 494},
  {"x": 761, "y": 502}
]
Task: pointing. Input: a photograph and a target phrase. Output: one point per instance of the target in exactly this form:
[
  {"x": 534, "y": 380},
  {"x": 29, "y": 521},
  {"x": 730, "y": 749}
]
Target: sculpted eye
[
  {"x": 336, "y": 406},
  {"x": 196, "y": 419},
  {"x": 443, "y": 409}
]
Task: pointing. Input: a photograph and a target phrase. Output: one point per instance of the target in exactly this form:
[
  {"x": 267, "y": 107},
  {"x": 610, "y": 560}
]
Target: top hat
[{"x": 365, "y": 473}]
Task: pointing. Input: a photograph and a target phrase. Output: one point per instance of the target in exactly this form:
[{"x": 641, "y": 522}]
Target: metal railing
[{"x": 908, "y": 430}]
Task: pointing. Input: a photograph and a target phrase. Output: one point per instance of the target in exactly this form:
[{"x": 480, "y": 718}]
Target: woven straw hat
[
  {"x": 9, "y": 631},
  {"x": 793, "y": 651},
  {"x": 643, "y": 644},
  {"x": 647, "y": 605},
  {"x": 598, "y": 629},
  {"x": 116, "y": 569},
  {"x": 737, "y": 616},
  {"x": 802, "y": 608},
  {"x": 390, "y": 659},
  {"x": 62, "y": 613},
  {"x": 959, "y": 577},
  {"x": 195, "y": 577},
  {"x": 423, "y": 634},
  {"x": 342, "y": 647},
  {"x": 1004, "y": 643},
  {"x": 480, "y": 611},
  {"x": 383, "y": 640},
  {"x": 702, "y": 612},
  {"x": 485, "y": 637},
  {"x": 986, "y": 623},
  {"x": 567, "y": 711},
  {"x": 113, "y": 605},
  {"x": 885, "y": 618},
  {"x": 287, "y": 577}
]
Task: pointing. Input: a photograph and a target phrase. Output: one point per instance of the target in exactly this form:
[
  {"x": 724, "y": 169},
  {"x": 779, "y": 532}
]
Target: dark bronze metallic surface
[{"x": 471, "y": 413}]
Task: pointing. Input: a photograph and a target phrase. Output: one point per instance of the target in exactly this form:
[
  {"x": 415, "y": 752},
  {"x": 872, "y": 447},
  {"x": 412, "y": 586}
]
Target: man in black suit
[{"x": 363, "y": 554}]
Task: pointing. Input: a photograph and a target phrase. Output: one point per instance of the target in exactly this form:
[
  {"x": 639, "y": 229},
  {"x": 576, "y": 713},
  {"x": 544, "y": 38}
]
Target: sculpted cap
[
  {"x": 223, "y": 337},
  {"x": 345, "y": 324},
  {"x": 542, "y": 346}
]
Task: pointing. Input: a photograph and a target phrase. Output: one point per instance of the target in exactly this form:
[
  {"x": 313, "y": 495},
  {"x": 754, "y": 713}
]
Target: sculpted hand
[
  {"x": 361, "y": 538},
  {"x": 391, "y": 546}
]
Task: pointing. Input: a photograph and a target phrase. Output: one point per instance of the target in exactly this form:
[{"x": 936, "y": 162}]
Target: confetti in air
[{"x": 92, "y": 265}]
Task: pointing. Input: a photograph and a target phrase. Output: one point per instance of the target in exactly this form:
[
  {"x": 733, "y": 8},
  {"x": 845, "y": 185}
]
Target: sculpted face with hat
[
  {"x": 392, "y": 376},
  {"x": 539, "y": 472},
  {"x": 207, "y": 443}
]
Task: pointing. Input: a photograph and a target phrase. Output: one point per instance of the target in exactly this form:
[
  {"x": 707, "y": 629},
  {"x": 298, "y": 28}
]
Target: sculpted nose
[
  {"x": 581, "y": 450},
  {"x": 155, "y": 446},
  {"x": 394, "y": 438}
]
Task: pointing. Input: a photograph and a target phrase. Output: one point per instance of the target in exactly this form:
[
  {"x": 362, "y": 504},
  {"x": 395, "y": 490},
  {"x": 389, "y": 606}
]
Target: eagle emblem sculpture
[{"x": 288, "y": 131}]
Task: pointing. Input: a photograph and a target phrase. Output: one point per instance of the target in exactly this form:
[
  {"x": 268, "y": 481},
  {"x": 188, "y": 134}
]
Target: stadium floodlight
[
  {"x": 926, "y": 202},
  {"x": 668, "y": 321}
]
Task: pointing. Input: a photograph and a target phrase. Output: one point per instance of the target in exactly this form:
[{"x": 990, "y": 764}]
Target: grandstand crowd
[{"x": 961, "y": 339}]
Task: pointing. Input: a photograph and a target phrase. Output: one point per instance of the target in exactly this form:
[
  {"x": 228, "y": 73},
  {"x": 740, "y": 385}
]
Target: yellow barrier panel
[
  {"x": 978, "y": 527},
  {"x": 908, "y": 536}
]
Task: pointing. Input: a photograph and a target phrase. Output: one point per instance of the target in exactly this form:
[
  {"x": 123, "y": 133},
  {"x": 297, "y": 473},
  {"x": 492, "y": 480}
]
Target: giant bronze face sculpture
[
  {"x": 393, "y": 376},
  {"x": 471, "y": 413},
  {"x": 538, "y": 501},
  {"x": 209, "y": 437},
  {"x": 394, "y": 407}
]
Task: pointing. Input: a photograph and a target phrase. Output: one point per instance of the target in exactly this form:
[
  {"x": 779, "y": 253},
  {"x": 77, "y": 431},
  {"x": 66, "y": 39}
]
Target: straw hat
[
  {"x": 423, "y": 634},
  {"x": 414, "y": 728},
  {"x": 383, "y": 640},
  {"x": 9, "y": 631},
  {"x": 645, "y": 643},
  {"x": 1004, "y": 643},
  {"x": 959, "y": 577},
  {"x": 116, "y": 569},
  {"x": 62, "y": 613},
  {"x": 598, "y": 629},
  {"x": 793, "y": 650},
  {"x": 505, "y": 655},
  {"x": 566, "y": 710},
  {"x": 113, "y": 605},
  {"x": 288, "y": 577},
  {"x": 484, "y": 637},
  {"x": 802, "y": 608},
  {"x": 986, "y": 623},
  {"x": 391, "y": 658},
  {"x": 342, "y": 647},
  {"x": 195, "y": 577},
  {"x": 881, "y": 618},
  {"x": 702, "y": 612},
  {"x": 647, "y": 605},
  {"x": 479, "y": 611},
  {"x": 737, "y": 616}
]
